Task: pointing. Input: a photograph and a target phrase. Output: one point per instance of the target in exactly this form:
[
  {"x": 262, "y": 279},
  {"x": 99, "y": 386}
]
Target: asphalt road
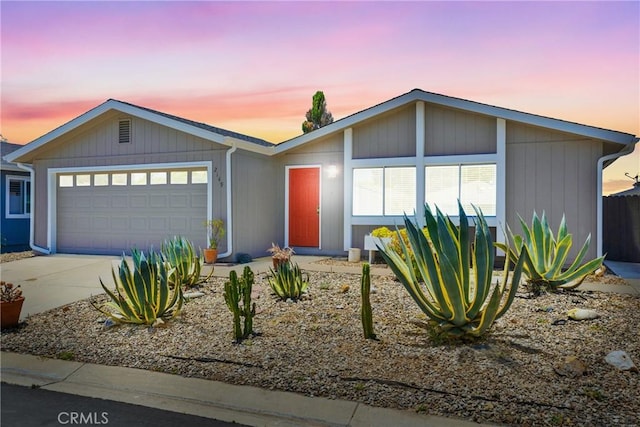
[{"x": 26, "y": 407}]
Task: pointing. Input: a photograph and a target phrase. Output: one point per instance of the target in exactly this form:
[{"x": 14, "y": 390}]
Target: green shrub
[
  {"x": 459, "y": 301},
  {"x": 287, "y": 281},
  {"x": 142, "y": 295},
  {"x": 185, "y": 264},
  {"x": 545, "y": 255}
]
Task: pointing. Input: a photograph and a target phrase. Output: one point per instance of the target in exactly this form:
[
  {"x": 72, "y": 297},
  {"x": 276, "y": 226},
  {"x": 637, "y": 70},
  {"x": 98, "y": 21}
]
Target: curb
[{"x": 211, "y": 399}]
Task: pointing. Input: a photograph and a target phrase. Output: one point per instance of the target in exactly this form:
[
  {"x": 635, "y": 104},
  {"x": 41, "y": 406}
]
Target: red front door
[{"x": 304, "y": 207}]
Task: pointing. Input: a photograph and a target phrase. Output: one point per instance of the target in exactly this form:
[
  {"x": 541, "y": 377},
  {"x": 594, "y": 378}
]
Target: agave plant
[
  {"x": 546, "y": 255},
  {"x": 142, "y": 295},
  {"x": 287, "y": 281},
  {"x": 459, "y": 300},
  {"x": 186, "y": 265}
]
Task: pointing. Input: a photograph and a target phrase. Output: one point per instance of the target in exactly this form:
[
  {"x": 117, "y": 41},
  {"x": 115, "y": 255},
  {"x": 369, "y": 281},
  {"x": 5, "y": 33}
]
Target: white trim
[
  {"x": 52, "y": 186},
  {"x": 501, "y": 179},
  {"x": 420, "y": 160},
  {"x": 379, "y": 162},
  {"x": 466, "y": 159},
  {"x": 399, "y": 220},
  {"x": 287, "y": 168},
  {"x": 7, "y": 204},
  {"x": 347, "y": 192}
]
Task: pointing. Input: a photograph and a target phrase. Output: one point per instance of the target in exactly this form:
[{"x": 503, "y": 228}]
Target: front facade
[{"x": 123, "y": 176}]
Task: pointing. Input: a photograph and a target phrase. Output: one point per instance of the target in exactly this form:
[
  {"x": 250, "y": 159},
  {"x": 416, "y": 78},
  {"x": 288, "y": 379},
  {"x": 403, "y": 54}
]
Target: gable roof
[
  {"x": 5, "y": 149},
  {"x": 226, "y": 137},
  {"x": 202, "y": 130},
  {"x": 465, "y": 105}
]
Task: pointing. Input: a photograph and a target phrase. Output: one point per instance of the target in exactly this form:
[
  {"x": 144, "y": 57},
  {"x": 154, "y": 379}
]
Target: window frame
[
  {"x": 26, "y": 198},
  {"x": 383, "y": 190}
]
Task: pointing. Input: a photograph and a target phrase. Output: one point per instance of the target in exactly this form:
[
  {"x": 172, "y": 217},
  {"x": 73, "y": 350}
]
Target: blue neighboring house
[{"x": 15, "y": 201}]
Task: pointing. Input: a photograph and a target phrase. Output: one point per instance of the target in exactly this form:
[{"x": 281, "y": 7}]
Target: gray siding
[
  {"x": 556, "y": 173},
  {"x": 96, "y": 144},
  {"x": 258, "y": 203},
  {"x": 453, "y": 132},
  {"x": 390, "y": 135}
]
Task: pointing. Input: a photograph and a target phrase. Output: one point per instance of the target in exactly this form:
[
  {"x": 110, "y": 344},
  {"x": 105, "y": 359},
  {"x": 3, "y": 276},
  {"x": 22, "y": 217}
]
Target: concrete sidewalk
[{"x": 211, "y": 399}]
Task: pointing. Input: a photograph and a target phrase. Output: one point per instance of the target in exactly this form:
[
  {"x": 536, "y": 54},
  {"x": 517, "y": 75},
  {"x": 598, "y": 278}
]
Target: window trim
[{"x": 7, "y": 213}]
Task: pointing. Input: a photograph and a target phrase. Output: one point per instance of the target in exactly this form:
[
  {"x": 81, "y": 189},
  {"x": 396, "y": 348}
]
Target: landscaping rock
[
  {"x": 582, "y": 314},
  {"x": 572, "y": 367},
  {"x": 621, "y": 360}
]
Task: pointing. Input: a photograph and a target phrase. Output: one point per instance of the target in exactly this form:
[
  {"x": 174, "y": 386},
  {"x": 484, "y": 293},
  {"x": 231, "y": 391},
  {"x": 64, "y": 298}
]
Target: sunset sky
[{"x": 252, "y": 67}]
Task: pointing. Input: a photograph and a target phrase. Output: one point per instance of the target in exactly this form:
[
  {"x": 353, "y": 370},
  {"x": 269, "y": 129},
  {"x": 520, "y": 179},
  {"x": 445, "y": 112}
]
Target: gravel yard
[{"x": 518, "y": 375}]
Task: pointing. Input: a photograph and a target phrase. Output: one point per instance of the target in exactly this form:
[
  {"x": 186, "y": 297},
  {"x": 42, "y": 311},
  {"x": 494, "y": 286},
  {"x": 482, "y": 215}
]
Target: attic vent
[{"x": 124, "y": 131}]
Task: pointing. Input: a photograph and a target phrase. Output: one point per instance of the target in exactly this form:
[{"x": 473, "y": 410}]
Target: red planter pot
[{"x": 10, "y": 313}]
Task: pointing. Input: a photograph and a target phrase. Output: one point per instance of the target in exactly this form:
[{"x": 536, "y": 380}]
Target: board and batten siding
[
  {"x": 326, "y": 152},
  {"x": 258, "y": 203},
  {"x": 450, "y": 132},
  {"x": 96, "y": 145},
  {"x": 389, "y": 135},
  {"x": 556, "y": 173}
]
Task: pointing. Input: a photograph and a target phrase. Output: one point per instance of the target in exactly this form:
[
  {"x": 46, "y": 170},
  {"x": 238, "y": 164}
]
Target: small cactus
[
  {"x": 235, "y": 290},
  {"x": 367, "y": 320}
]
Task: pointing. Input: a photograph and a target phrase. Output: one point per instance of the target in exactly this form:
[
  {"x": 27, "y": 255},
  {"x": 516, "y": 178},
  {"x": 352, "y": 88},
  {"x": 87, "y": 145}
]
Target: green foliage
[
  {"x": 185, "y": 264},
  {"x": 215, "y": 232},
  {"x": 365, "y": 311},
  {"x": 318, "y": 116},
  {"x": 459, "y": 301},
  {"x": 287, "y": 281},
  {"x": 545, "y": 255},
  {"x": 235, "y": 291},
  {"x": 143, "y": 295}
]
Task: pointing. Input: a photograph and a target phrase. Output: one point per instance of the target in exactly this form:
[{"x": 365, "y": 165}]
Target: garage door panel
[{"x": 113, "y": 219}]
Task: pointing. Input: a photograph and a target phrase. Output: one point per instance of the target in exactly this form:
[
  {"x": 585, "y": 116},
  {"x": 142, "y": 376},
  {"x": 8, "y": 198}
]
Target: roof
[
  {"x": 635, "y": 191},
  {"x": 466, "y": 105},
  {"x": 6, "y": 148},
  {"x": 202, "y": 130},
  {"x": 258, "y": 145},
  {"x": 205, "y": 126}
]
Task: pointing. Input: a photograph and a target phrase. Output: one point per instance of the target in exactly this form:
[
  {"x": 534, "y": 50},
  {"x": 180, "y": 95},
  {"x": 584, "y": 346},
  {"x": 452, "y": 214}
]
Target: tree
[{"x": 318, "y": 115}]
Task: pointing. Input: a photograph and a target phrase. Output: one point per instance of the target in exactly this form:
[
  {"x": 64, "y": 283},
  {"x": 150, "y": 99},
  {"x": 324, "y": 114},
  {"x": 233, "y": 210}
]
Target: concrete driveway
[{"x": 56, "y": 280}]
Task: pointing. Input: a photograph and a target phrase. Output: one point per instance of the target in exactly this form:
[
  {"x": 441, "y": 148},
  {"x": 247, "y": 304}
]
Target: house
[
  {"x": 15, "y": 203},
  {"x": 122, "y": 175}
]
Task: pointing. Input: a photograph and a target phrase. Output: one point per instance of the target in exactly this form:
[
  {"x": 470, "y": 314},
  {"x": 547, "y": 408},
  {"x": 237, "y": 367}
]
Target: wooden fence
[{"x": 621, "y": 228}]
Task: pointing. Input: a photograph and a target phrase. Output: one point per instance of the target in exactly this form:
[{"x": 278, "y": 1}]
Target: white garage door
[{"x": 112, "y": 212}]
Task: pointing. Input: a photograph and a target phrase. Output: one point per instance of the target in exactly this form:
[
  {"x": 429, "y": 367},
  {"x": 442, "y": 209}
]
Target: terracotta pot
[
  {"x": 10, "y": 313},
  {"x": 210, "y": 255}
]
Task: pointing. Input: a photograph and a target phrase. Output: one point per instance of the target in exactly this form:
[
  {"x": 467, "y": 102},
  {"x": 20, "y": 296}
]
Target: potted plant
[
  {"x": 215, "y": 232},
  {"x": 11, "y": 305},
  {"x": 280, "y": 255}
]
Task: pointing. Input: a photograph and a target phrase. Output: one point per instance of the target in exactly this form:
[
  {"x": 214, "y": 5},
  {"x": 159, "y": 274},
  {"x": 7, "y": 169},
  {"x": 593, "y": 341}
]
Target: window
[
  {"x": 384, "y": 191},
  {"x": 179, "y": 177},
  {"x": 472, "y": 184},
  {"x": 158, "y": 178},
  {"x": 199, "y": 177},
  {"x": 66, "y": 180},
  {"x": 139, "y": 178},
  {"x": 83, "y": 180},
  {"x": 119, "y": 179},
  {"x": 18, "y": 197},
  {"x": 101, "y": 179}
]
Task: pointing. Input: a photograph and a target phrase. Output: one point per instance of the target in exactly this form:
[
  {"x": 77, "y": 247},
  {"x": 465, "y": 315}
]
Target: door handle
[{"x": 318, "y": 210}]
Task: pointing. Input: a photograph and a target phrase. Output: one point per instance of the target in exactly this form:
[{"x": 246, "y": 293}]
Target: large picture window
[
  {"x": 386, "y": 191},
  {"x": 18, "y": 197},
  {"x": 472, "y": 184}
]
